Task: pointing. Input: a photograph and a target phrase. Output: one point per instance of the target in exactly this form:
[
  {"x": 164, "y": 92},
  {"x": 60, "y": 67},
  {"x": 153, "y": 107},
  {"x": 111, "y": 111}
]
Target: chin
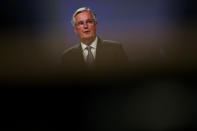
[{"x": 88, "y": 37}]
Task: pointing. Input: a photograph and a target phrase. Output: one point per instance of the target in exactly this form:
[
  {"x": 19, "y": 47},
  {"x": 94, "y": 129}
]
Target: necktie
[{"x": 90, "y": 57}]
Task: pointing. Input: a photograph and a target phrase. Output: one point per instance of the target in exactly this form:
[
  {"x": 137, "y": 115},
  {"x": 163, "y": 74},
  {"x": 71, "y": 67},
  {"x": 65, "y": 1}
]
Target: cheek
[
  {"x": 77, "y": 31},
  {"x": 92, "y": 28}
]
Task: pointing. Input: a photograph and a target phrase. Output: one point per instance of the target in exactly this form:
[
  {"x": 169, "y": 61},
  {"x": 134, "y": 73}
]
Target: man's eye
[
  {"x": 80, "y": 23},
  {"x": 90, "y": 21}
]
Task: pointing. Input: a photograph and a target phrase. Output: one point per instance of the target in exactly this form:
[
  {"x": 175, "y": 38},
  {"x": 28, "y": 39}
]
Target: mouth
[{"x": 86, "y": 32}]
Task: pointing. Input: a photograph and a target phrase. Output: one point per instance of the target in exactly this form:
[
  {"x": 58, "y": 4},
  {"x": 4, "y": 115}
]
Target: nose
[{"x": 85, "y": 25}]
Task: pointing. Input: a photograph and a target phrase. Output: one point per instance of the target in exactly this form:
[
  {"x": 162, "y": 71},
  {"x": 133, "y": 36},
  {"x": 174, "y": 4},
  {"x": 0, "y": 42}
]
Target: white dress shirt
[{"x": 93, "y": 49}]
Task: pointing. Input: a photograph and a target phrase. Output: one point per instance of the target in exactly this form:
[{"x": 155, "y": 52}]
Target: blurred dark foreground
[{"x": 148, "y": 99}]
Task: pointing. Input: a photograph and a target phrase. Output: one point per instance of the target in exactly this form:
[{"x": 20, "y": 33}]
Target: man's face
[{"x": 85, "y": 26}]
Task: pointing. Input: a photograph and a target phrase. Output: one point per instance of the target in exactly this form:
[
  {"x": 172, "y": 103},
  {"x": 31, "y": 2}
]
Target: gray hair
[{"x": 82, "y": 10}]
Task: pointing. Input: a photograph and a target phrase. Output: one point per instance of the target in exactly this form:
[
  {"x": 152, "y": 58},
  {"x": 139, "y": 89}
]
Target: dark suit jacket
[{"x": 110, "y": 56}]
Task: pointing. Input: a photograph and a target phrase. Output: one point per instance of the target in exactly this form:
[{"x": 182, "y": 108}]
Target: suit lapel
[
  {"x": 79, "y": 54},
  {"x": 104, "y": 58},
  {"x": 98, "y": 50}
]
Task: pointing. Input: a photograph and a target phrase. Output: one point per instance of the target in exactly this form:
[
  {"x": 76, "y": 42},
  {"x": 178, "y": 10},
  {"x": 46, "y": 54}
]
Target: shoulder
[
  {"x": 71, "y": 50},
  {"x": 111, "y": 45}
]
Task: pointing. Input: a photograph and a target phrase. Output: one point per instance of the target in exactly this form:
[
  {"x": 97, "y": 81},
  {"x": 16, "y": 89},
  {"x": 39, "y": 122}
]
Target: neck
[{"x": 88, "y": 41}]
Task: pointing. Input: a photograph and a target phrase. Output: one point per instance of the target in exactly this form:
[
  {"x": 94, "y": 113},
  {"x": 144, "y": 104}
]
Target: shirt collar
[{"x": 93, "y": 44}]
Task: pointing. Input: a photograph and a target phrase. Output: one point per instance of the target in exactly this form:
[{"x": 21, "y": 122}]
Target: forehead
[{"x": 83, "y": 15}]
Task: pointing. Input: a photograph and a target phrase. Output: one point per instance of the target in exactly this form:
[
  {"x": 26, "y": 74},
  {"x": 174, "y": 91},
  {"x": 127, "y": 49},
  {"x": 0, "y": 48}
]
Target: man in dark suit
[{"x": 92, "y": 53}]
